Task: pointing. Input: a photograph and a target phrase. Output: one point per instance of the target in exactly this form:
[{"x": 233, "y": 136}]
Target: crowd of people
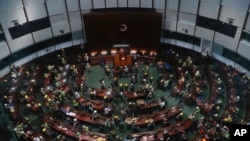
[{"x": 60, "y": 91}]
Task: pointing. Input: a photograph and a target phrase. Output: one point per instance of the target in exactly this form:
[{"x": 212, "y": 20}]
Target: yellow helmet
[
  {"x": 44, "y": 129},
  {"x": 28, "y": 105}
]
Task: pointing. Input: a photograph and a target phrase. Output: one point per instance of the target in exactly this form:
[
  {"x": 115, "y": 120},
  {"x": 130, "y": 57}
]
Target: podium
[{"x": 122, "y": 59}]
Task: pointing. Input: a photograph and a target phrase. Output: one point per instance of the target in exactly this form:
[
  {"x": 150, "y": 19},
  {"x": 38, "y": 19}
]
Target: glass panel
[
  {"x": 228, "y": 54},
  {"x": 217, "y": 48},
  {"x": 246, "y": 36},
  {"x": 182, "y": 37},
  {"x": 76, "y": 35},
  {"x": 243, "y": 62}
]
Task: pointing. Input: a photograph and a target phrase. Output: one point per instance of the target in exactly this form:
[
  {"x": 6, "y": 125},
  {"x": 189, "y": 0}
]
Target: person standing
[{"x": 94, "y": 115}]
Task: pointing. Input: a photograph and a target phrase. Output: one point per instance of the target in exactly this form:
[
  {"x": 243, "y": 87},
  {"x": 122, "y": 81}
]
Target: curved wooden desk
[
  {"x": 208, "y": 105},
  {"x": 101, "y": 94},
  {"x": 142, "y": 120},
  {"x": 74, "y": 132},
  {"x": 133, "y": 95},
  {"x": 98, "y": 105},
  {"x": 95, "y": 60},
  {"x": 83, "y": 117},
  {"x": 158, "y": 134},
  {"x": 231, "y": 91},
  {"x": 150, "y": 104}
]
